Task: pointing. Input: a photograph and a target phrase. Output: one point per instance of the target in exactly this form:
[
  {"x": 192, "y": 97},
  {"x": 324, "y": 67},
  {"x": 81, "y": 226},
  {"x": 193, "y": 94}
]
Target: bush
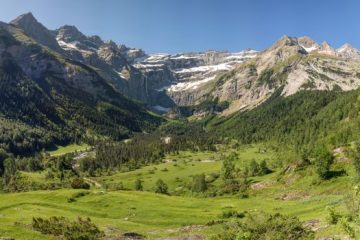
[
  {"x": 264, "y": 168},
  {"x": 79, "y": 183},
  {"x": 199, "y": 184},
  {"x": 138, "y": 185},
  {"x": 356, "y": 160},
  {"x": 232, "y": 214},
  {"x": 228, "y": 169},
  {"x": 333, "y": 217},
  {"x": 212, "y": 177},
  {"x": 82, "y": 229},
  {"x": 161, "y": 187},
  {"x": 254, "y": 168},
  {"x": 264, "y": 227}
]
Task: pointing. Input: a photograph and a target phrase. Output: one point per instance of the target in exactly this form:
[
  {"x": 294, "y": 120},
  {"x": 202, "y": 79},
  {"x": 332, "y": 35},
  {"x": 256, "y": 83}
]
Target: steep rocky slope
[
  {"x": 293, "y": 64},
  {"x": 164, "y": 81},
  {"x": 52, "y": 99},
  {"x": 183, "y": 77}
]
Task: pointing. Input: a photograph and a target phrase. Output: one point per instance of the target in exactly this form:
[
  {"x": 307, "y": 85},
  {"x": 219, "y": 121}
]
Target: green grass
[
  {"x": 62, "y": 150},
  {"x": 297, "y": 193},
  {"x": 147, "y": 213},
  {"x": 177, "y": 170}
]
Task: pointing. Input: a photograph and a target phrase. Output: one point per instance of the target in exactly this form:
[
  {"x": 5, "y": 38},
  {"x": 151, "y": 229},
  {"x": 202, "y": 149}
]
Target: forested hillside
[{"x": 300, "y": 120}]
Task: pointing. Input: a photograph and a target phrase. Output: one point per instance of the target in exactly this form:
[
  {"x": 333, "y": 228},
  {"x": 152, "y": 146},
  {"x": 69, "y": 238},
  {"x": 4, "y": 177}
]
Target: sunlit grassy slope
[
  {"x": 62, "y": 150},
  {"x": 297, "y": 193}
]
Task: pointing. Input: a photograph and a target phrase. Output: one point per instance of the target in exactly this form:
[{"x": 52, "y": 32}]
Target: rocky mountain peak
[
  {"x": 28, "y": 23},
  {"x": 285, "y": 41},
  {"x": 27, "y": 18},
  {"x": 349, "y": 52},
  {"x": 306, "y": 41},
  {"x": 325, "y": 45},
  {"x": 111, "y": 44},
  {"x": 69, "y": 33},
  {"x": 96, "y": 39},
  {"x": 308, "y": 44},
  {"x": 347, "y": 48},
  {"x": 325, "y": 48}
]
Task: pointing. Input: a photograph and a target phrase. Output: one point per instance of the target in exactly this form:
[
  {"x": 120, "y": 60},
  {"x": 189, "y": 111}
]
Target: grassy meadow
[{"x": 293, "y": 192}]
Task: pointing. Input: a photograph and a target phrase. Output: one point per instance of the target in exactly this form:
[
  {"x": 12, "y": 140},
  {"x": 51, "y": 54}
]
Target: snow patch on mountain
[
  {"x": 309, "y": 49},
  {"x": 183, "y": 86},
  {"x": 210, "y": 68}
]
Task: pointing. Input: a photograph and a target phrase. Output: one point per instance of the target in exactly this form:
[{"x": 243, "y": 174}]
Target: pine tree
[
  {"x": 323, "y": 161},
  {"x": 356, "y": 160},
  {"x": 199, "y": 183},
  {"x": 138, "y": 185},
  {"x": 228, "y": 169}
]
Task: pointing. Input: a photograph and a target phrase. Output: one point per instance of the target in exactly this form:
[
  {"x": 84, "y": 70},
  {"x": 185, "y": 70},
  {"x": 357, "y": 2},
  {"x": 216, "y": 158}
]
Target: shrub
[
  {"x": 119, "y": 186},
  {"x": 356, "y": 160},
  {"x": 264, "y": 168},
  {"x": 333, "y": 217},
  {"x": 80, "y": 194},
  {"x": 212, "y": 177},
  {"x": 82, "y": 229},
  {"x": 138, "y": 185},
  {"x": 232, "y": 214},
  {"x": 49, "y": 175},
  {"x": 79, "y": 183},
  {"x": 254, "y": 168},
  {"x": 161, "y": 187},
  {"x": 348, "y": 228},
  {"x": 228, "y": 169},
  {"x": 264, "y": 227},
  {"x": 199, "y": 184}
]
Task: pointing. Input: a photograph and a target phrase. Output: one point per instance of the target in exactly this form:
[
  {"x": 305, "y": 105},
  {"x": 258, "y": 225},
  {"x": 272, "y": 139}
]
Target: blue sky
[{"x": 196, "y": 25}]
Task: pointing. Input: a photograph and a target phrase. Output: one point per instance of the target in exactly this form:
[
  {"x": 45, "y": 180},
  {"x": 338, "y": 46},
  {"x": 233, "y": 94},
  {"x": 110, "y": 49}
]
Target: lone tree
[
  {"x": 228, "y": 170},
  {"x": 3, "y": 156},
  {"x": 161, "y": 187},
  {"x": 356, "y": 160},
  {"x": 138, "y": 185},
  {"x": 199, "y": 183},
  {"x": 323, "y": 161},
  {"x": 10, "y": 170}
]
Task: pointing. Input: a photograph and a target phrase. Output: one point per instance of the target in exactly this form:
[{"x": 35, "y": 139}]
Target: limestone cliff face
[
  {"x": 164, "y": 81},
  {"x": 187, "y": 78},
  {"x": 293, "y": 64}
]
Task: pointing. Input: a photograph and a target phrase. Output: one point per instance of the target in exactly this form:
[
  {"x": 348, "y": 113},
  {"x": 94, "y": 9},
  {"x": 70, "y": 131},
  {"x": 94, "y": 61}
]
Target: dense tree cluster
[
  {"x": 301, "y": 120},
  {"x": 44, "y": 112},
  {"x": 144, "y": 149}
]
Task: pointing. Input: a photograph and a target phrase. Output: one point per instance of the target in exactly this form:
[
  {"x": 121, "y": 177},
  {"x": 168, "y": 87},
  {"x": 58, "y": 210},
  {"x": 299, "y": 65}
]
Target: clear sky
[{"x": 194, "y": 25}]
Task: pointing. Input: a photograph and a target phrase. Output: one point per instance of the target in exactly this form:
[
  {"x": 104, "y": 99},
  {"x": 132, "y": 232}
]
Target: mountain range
[{"x": 62, "y": 80}]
